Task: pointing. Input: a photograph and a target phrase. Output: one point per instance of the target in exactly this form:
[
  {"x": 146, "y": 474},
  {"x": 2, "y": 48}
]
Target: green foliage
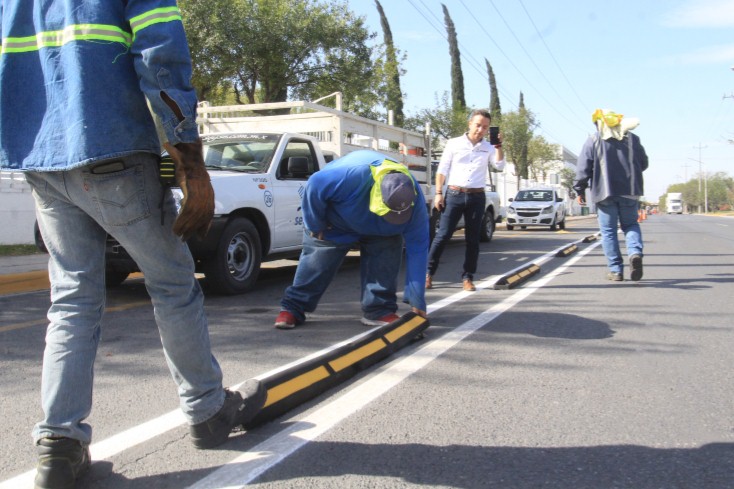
[
  {"x": 517, "y": 131},
  {"x": 568, "y": 175},
  {"x": 494, "y": 98},
  {"x": 541, "y": 156},
  {"x": 458, "y": 101},
  {"x": 719, "y": 188},
  {"x": 18, "y": 250},
  {"x": 266, "y": 50},
  {"x": 446, "y": 122},
  {"x": 392, "y": 72}
]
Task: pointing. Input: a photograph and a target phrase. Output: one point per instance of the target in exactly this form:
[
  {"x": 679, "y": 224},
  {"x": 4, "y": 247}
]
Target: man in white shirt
[{"x": 463, "y": 168}]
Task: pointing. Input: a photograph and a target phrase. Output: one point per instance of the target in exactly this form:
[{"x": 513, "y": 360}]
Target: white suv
[{"x": 537, "y": 207}]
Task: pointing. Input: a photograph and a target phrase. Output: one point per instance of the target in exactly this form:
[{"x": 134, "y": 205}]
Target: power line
[
  {"x": 471, "y": 61},
  {"x": 542, "y": 38},
  {"x": 530, "y": 57}
]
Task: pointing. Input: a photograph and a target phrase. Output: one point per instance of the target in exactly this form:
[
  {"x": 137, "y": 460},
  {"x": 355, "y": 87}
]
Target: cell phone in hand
[{"x": 494, "y": 135}]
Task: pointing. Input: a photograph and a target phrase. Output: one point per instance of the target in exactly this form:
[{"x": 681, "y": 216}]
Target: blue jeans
[
  {"x": 611, "y": 211},
  {"x": 75, "y": 211},
  {"x": 380, "y": 258},
  {"x": 471, "y": 206}
]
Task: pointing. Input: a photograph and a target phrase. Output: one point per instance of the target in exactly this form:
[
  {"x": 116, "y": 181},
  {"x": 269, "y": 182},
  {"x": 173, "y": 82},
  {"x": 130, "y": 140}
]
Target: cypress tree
[
  {"x": 494, "y": 99},
  {"x": 394, "y": 93},
  {"x": 457, "y": 78}
]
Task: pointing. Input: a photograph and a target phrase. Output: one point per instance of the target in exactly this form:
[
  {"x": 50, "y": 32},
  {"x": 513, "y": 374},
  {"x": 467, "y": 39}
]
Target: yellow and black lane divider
[
  {"x": 567, "y": 250},
  {"x": 304, "y": 379},
  {"x": 516, "y": 276}
]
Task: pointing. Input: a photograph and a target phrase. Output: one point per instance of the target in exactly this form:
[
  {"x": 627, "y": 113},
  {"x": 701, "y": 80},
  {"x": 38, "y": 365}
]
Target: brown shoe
[
  {"x": 469, "y": 285},
  {"x": 429, "y": 282}
]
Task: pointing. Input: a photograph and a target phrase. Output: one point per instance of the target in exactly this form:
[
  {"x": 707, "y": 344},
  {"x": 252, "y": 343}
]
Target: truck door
[{"x": 289, "y": 186}]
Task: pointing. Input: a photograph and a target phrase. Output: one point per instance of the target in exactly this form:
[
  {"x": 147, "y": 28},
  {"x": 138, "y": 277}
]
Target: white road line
[
  {"x": 247, "y": 467},
  {"x": 148, "y": 430}
]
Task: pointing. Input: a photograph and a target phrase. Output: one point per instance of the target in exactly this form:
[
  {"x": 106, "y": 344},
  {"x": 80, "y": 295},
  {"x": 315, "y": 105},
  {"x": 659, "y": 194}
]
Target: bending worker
[{"x": 367, "y": 200}]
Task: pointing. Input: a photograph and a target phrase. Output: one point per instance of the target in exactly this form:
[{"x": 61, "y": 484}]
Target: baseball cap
[{"x": 398, "y": 195}]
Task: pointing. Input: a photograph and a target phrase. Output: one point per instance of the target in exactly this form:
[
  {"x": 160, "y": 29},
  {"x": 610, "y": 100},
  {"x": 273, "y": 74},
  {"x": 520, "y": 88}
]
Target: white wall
[{"x": 17, "y": 209}]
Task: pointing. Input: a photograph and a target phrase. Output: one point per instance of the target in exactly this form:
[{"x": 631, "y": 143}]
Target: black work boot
[
  {"x": 235, "y": 412},
  {"x": 61, "y": 461}
]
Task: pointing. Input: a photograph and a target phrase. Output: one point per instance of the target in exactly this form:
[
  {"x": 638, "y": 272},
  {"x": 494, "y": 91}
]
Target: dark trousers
[{"x": 471, "y": 206}]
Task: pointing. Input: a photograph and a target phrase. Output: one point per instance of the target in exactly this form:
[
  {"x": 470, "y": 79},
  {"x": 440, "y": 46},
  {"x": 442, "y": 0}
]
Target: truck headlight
[
  {"x": 510, "y": 210},
  {"x": 547, "y": 210}
]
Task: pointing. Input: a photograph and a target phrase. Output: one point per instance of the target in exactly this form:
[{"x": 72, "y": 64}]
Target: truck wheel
[
  {"x": 487, "y": 231},
  {"x": 553, "y": 226},
  {"x": 38, "y": 239},
  {"x": 509, "y": 227},
  {"x": 113, "y": 278},
  {"x": 562, "y": 224},
  {"x": 433, "y": 223},
  {"x": 236, "y": 262}
]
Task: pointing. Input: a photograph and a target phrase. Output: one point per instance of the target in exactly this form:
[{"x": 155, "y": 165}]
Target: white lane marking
[
  {"x": 245, "y": 468},
  {"x": 155, "y": 427}
]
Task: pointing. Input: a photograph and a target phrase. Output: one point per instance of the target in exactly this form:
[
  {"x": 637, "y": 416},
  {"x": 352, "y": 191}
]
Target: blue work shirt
[
  {"x": 337, "y": 202},
  {"x": 75, "y": 75}
]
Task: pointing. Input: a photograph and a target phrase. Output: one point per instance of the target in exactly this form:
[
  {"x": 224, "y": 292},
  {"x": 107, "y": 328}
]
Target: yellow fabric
[
  {"x": 613, "y": 125},
  {"x": 377, "y": 205}
]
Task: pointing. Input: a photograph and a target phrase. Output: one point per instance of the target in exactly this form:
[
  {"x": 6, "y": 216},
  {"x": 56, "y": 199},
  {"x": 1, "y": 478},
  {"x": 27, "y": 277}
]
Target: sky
[{"x": 667, "y": 62}]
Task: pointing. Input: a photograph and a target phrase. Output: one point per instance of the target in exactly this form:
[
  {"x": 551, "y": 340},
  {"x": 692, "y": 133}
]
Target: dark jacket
[{"x": 611, "y": 167}]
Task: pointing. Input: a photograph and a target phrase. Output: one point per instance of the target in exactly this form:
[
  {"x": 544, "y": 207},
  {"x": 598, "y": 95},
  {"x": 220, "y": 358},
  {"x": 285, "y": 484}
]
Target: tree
[
  {"x": 458, "y": 101},
  {"x": 446, "y": 122},
  {"x": 494, "y": 99},
  {"x": 541, "y": 156},
  {"x": 260, "y": 50},
  {"x": 392, "y": 71},
  {"x": 517, "y": 130},
  {"x": 568, "y": 175}
]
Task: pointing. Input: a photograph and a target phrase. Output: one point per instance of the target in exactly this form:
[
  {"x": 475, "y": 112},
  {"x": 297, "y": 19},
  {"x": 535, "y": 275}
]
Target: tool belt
[{"x": 465, "y": 190}]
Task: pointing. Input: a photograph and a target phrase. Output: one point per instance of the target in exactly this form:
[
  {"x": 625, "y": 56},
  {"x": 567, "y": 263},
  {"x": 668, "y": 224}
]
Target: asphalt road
[{"x": 566, "y": 381}]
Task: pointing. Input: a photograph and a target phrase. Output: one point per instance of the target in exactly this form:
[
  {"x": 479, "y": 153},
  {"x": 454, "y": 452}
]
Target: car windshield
[
  {"x": 243, "y": 153},
  {"x": 534, "y": 196}
]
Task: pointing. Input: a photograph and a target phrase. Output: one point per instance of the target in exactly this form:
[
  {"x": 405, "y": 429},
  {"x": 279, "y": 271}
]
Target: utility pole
[{"x": 700, "y": 175}]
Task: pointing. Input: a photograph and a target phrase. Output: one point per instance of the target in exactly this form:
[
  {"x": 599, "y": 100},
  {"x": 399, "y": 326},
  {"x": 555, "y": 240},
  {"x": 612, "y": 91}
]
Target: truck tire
[
  {"x": 433, "y": 222},
  {"x": 113, "y": 278},
  {"x": 553, "y": 226},
  {"x": 38, "y": 239},
  {"x": 562, "y": 224},
  {"x": 487, "y": 231},
  {"x": 509, "y": 227},
  {"x": 235, "y": 266}
]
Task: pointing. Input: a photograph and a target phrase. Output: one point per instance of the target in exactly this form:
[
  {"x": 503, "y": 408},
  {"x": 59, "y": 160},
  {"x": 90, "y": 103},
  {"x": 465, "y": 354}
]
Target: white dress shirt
[{"x": 465, "y": 164}]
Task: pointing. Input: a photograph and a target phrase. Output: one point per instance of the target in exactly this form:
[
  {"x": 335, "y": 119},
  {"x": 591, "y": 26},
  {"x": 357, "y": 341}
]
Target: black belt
[{"x": 466, "y": 190}]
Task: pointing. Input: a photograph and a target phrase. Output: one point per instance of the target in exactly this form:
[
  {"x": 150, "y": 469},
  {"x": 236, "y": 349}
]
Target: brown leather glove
[{"x": 197, "y": 206}]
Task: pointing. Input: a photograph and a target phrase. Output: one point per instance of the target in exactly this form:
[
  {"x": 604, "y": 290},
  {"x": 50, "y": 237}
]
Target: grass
[{"x": 18, "y": 250}]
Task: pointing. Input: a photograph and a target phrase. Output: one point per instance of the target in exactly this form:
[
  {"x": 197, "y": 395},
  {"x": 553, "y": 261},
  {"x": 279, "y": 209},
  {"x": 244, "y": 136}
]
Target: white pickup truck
[{"x": 259, "y": 158}]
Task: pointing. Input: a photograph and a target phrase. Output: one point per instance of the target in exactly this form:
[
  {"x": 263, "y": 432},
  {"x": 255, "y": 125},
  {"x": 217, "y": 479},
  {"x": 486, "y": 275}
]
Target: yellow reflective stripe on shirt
[
  {"x": 155, "y": 16},
  {"x": 77, "y": 32},
  {"x": 89, "y": 32}
]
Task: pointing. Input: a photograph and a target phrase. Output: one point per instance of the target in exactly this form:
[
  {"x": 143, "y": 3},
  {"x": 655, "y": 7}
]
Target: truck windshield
[
  {"x": 534, "y": 195},
  {"x": 243, "y": 154}
]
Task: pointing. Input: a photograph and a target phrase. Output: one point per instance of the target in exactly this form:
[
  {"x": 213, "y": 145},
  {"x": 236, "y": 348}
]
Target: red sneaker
[
  {"x": 285, "y": 320},
  {"x": 384, "y": 320}
]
